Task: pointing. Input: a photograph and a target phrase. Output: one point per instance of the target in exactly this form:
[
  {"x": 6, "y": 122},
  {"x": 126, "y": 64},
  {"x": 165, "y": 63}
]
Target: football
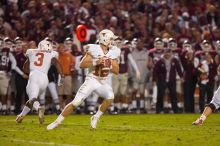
[{"x": 106, "y": 65}]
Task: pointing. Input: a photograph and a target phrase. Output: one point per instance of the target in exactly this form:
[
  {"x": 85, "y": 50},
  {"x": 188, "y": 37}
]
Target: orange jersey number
[{"x": 40, "y": 58}]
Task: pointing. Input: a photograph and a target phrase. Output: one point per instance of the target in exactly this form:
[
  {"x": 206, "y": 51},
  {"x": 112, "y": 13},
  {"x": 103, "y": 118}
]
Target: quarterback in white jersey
[
  {"x": 101, "y": 60},
  {"x": 38, "y": 64}
]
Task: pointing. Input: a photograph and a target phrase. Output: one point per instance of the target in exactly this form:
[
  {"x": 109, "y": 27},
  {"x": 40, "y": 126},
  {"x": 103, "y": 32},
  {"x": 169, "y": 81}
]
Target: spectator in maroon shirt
[
  {"x": 20, "y": 81},
  {"x": 190, "y": 76},
  {"x": 156, "y": 52},
  {"x": 207, "y": 78},
  {"x": 164, "y": 75}
]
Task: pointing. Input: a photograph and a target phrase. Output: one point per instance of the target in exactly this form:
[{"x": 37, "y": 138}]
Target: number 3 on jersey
[{"x": 40, "y": 58}]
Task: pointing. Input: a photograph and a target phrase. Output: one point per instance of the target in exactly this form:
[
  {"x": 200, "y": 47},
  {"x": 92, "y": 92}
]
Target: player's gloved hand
[{"x": 60, "y": 80}]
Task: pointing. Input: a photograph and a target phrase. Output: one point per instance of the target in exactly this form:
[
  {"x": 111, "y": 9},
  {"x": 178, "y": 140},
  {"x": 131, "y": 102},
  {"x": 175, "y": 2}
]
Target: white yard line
[{"x": 38, "y": 142}]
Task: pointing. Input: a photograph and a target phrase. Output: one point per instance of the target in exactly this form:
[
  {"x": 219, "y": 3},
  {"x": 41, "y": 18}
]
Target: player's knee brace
[
  {"x": 30, "y": 102},
  {"x": 212, "y": 106}
]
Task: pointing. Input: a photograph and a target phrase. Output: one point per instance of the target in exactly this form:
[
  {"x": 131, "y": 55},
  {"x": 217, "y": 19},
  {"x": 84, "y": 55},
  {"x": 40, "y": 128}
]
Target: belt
[{"x": 98, "y": 77}]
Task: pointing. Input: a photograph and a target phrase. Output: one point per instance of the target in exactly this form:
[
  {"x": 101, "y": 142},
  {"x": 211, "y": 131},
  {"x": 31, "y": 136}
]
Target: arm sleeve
[
  {"x": 133, "y": 63},
  {"x": 14, "y": 64}
]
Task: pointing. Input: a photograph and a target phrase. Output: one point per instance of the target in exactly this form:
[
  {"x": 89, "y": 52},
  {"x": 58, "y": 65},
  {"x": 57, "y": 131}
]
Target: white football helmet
[
  {"x": 158, "y": 43},
  {"x": 206, "y": 46},
  {"x": 106, "y": 37},
  {"x": 217, "y": 45},
  {"x": 45, "y": 45}
]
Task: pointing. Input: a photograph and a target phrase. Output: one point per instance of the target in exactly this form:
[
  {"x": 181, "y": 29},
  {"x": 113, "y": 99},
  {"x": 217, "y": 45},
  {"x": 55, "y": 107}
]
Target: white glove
[{"x": 60, "y": 80}]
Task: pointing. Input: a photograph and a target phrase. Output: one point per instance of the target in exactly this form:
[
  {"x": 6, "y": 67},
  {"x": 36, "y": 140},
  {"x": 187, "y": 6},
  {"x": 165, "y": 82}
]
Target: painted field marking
[{"x": 38, "y": 142}]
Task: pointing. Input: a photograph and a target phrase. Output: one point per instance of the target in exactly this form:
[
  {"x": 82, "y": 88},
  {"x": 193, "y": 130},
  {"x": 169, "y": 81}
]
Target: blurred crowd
[{"x": 169, "y": 51}]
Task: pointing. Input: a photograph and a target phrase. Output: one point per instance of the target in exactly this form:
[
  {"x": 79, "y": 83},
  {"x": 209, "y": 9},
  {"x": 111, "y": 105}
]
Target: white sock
[
  {"x": 203, "y": 117},
  {"x": 25, "y": 111},
  {"x": 180, "y": 104},
  {"x": 60, "y": 119},
  {"x": 169, "y": 105},
  {"x": 91, "y": 108},
  {"x": 57, "y": 107},
  {"x": 4, "y": 107},
  {"x": 142, "y": 104},
  {"x": 99, "y": 113},
  {"x": 112, "y": 107},
  {"x": 118, "y": 105},
  {"x": 165, "y": 103},
  {"x": 124, "y": 105},
  {"x": 36, "y": 105},
  {"x": 12, "y": 107},
  {"x": 0, "y": 105},
  {"x": 134, "y": 103}
]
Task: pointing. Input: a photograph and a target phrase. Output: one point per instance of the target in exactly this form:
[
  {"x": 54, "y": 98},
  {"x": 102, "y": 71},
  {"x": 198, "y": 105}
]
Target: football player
[
  {"x": 172, "y": 44},
  {"x": 5, "y": 57},
  {"x": 207, "y": 70},
  {"x": 38, "y": 62},
  {"x": 120, "y": 81},
  {"x": 140, "y": 56},
  {"x": 100, "y": 59}
]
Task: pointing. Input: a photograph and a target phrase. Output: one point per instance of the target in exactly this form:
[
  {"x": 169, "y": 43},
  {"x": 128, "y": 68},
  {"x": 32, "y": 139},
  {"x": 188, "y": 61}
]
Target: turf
[{"x": 112, "y": 130}]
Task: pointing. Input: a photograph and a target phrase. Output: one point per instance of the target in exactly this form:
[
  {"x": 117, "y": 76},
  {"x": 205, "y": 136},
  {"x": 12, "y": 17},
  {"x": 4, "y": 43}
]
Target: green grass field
[{"x": 112, "y": 130}]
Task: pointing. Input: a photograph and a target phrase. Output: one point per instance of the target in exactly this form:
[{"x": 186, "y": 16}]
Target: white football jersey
[
  {"x": 40, "y": 60},
  {"x": 96, "y": 52}
]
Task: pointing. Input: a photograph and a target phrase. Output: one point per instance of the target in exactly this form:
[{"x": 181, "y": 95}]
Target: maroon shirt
[
  {"x": 20, "y": 58},
  {"x": 159, "y": 72},
  {"x": 177, "y": 51},
  {"x": 155, "y": 54},
  {"x": 123, "y": 64},
  {"x": 4, "y": 59},
  {"x": 189, "y": 69},
  {"x": 212, "y": 72}
]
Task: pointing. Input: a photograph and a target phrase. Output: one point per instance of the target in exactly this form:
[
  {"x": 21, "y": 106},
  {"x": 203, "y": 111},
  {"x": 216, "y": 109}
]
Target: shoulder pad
[
  {"x": 114, "y": 52},
  {"x": 92, "y": 48},
  {"x": 28, "y": 52}
]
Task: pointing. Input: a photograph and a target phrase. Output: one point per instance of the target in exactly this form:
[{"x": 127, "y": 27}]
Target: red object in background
[{"x": 81, "y": 32}]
